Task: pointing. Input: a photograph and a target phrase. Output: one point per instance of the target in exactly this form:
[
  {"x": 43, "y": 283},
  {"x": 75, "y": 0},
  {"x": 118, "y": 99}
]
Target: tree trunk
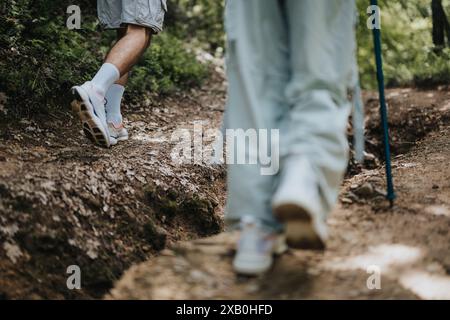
[{"x": 441, "y": 25}]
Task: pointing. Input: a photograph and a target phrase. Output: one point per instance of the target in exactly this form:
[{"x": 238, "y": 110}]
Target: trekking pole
[{"x": 383, "y": 110}]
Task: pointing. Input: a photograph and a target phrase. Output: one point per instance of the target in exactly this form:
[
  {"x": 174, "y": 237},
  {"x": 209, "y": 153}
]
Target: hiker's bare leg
[
  {"x": 129, "y": 49},
  {"x": 102, "y": 122},
  {"x": 136, "y": 40},
  {"x": 124, "y": 79}
]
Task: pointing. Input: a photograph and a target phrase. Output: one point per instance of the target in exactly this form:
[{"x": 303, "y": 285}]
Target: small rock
[
  {"x": 376, "y": 180},
  {"x": 313, "y": 272},
  {"x": 354, "y": 293},
  {"x": 352, "y": 196},
  {"x": 180, "y": 265},
  {"x": 198, "y": 276},
  {"x": 252, "y": 288},
  {"x": 10, "y": 230},
  {"x": 347, "y": 201},
  {"x": 366, "y": 190},
  {"x": 13, "y": 252},
  {"x": 435, "y": 268},
  {"x": 380, "y": 192},
  {"x": 167, "y": 253},
  {"x": 369, "y": 156},
  {"x": 347, "y": 237}
]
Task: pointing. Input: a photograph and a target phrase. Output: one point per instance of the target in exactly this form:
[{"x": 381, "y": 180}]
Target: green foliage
[
  {"x": 200, "y": 21},
  {"x": 409, "y": 58},
  {"x": 166, "y": 67},
  {"x": 40, "y": 59},
  {"x": 432, "y": 68}
]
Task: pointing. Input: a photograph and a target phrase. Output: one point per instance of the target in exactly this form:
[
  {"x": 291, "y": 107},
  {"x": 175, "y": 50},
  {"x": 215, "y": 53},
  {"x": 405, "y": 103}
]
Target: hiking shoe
[
  {"x": 119, "y": 133},
  {"x": 256, "y": 248},
  {"x": 297, "y": 204},
  {"x": 89, "y": 106}
]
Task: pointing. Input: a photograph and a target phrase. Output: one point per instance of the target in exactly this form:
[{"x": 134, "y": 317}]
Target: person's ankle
[
  {"x": 106, "y": 77},
  {"x": 113, "y": 106},
  {"x": 99, "y": 93},
  {"x": 114, "y": 119}
]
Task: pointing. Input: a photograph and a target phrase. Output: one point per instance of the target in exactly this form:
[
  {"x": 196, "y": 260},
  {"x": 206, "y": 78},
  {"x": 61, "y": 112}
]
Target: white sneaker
[
  {"x": 89, "y": 106},
  {"x": 256, "y": 248},
  {"x": 297, "y": 204},
  {"x": 119, "y": 133}
]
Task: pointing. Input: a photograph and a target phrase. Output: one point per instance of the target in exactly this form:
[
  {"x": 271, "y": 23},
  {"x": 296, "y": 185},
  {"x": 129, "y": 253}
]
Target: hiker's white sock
[
  {"x": 105, "y": 77},
  {"x": 113, "y": 101}
]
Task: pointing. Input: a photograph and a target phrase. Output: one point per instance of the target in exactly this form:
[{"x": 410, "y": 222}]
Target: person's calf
[{"x": 130, "y": 48}]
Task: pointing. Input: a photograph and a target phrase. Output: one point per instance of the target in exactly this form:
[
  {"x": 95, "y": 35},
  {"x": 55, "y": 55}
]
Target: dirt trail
[
  {"x": 64, "y": 202},
  {"x": 409, "y": 244}
]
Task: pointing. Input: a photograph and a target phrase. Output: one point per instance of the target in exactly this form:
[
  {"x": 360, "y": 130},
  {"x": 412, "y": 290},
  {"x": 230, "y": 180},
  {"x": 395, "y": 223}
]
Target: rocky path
[
  {"x": 64, "y": 202},
  {"x": 408, "y": 246}
]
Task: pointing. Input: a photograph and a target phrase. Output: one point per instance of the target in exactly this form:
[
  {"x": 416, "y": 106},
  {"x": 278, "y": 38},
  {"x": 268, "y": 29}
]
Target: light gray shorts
[{"x": 113, "y": 14}]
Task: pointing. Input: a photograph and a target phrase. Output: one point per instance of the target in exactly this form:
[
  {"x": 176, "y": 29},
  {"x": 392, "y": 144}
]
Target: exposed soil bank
[{"x": 65, "y": 202}]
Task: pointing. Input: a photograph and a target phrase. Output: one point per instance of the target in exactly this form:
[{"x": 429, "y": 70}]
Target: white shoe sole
[
  {"x": 248, "y": 265},
  {"x": 92, "y": 125},
  {"x": 251, "y": 266},
  {"x": 121, "y": 138},
  {"x": 301, "y": 233}
]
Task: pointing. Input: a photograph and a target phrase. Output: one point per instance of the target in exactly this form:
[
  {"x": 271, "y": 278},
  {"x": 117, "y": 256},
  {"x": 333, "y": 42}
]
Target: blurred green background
[{"x": 40, "y": 59}]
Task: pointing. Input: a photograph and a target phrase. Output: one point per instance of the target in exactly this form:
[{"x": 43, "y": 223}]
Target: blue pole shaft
[{"x": 383, "y": 111}]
